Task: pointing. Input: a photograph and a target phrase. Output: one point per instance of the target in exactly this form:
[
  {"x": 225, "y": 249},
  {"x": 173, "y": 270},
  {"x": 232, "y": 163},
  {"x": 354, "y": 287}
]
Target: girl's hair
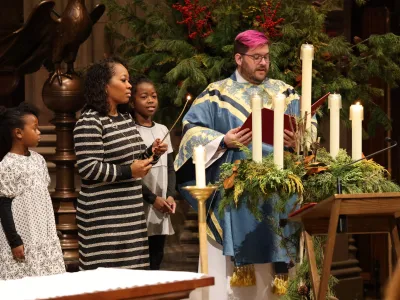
[
  {"x": 97, "y": 77},
  {"x": 136, "y": 81},
  {"x": 11, "y": 119}
]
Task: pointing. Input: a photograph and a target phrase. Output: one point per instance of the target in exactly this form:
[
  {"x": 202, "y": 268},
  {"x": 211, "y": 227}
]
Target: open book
[{"x": 267, "y": 116}]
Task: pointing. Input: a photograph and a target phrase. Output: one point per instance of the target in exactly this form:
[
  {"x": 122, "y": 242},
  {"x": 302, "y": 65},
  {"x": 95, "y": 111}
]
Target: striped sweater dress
[{"x": 110, "y": 216}]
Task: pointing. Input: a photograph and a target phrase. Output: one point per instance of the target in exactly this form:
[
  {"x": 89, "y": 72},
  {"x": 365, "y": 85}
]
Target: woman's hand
[
  {"x": 172, "y": 204},
  {"x": 18, "y": 253},
  {"x": 162, "y": 205},
  {"x": 233, "y": 138},
  {"x": 140, "y": 168},
  {"x": 159, "y": 148}
]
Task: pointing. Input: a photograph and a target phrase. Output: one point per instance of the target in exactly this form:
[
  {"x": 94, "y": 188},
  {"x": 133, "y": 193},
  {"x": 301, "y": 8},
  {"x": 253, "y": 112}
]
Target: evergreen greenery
[
  {"x": 303, "y": 275},
  {"x": 184, "y": 50},
  {"x": 248, "y": 183}
]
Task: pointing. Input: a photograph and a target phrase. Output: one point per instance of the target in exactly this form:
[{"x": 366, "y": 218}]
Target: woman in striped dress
[{"x": 111, "y": 222}]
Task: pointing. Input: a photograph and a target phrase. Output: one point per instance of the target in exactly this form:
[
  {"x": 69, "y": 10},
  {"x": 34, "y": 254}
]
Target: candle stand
[{"x": 201, "y": 194}]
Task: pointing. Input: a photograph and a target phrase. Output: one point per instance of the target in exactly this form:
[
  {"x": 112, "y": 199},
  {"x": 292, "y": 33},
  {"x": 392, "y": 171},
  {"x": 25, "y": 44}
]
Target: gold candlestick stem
[{"x": 201, "y": 195}]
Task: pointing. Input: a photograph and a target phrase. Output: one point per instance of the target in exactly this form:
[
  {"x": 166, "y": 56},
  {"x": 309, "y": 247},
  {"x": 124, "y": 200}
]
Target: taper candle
[
  {"x": 256, "y": 106},
  {"x": 356, "y": 117},
  {"x": 278, "y": 105},
  {"x": 199, "y": 157},
  {"x": 307, "y": 56},
  {"x": 334, "y": 105}
]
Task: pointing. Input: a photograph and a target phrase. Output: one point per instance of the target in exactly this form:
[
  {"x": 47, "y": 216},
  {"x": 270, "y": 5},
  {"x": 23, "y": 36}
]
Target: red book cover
[
  {"x": 303, "y": 208},
  {"x": 267, "y": 116}
]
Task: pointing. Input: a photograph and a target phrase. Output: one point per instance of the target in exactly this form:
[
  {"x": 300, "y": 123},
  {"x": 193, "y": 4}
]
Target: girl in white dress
[
  {"x": 29, "y": 245},
  {"x": 161, "y": 178}
]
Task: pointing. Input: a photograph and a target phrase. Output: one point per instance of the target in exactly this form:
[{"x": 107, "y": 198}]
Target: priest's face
[{"x": 254, "y": 64}]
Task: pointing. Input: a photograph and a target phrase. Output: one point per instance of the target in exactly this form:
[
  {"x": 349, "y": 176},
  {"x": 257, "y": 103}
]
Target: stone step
[
  {"x": 191, "y": 215},
  {"x": 191, "y": 225},
  {"x": 189, "y": 237},
  {"x": 183, "y": 266}
]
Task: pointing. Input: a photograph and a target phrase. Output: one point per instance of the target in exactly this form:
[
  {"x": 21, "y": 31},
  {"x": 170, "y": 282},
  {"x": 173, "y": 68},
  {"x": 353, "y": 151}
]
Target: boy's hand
[{"x": 18, "y": 253}]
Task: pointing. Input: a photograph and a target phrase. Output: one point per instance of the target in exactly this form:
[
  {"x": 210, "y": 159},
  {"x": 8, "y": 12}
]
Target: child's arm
[
  {"x": 171, "y": 191},
  {"x": 148, "y": 195},
  {"x": 7, "y": 222},
  {"x": 158, "y": 203},
  {"x": 171, "y": 182}
]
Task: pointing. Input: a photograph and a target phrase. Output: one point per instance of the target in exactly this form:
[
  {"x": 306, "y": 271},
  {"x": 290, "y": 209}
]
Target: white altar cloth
[{"x": 98, "y": 280}]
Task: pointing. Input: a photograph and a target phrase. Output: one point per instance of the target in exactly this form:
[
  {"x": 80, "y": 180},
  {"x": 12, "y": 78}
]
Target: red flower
[
  {"x": 196, "y": 17},
  {"x": 266, "y": 19}
]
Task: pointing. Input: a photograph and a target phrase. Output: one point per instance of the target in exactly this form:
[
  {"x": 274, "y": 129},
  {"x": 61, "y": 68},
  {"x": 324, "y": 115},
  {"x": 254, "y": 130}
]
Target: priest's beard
[{"x": 250, "y": 72}]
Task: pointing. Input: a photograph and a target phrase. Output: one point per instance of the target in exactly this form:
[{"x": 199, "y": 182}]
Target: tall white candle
[
  {"x": 279, "y": 111},
  {"x": 256, "y": 106},
  {"x": 356, "y": 117},
  {"x": 334, "y": 105},
  {"x": 199, "y": 157},
  {"x": 307, "y": 56}
]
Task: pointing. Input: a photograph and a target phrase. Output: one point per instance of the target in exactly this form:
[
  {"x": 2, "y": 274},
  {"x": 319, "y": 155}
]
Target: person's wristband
[{"x": 222, "y": 144}]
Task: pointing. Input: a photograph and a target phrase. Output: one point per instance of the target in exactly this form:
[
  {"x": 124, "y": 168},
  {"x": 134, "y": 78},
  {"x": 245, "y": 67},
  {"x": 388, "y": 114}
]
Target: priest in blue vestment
[{"x": 238, "y": 243}]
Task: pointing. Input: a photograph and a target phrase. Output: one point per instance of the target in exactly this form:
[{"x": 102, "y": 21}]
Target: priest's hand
[
  {"x": 234, "y": 137},
  {"x": 289, "y": 139}
]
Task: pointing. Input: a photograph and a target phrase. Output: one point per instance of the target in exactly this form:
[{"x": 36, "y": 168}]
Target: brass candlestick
[{"x": 201, "y": 195}]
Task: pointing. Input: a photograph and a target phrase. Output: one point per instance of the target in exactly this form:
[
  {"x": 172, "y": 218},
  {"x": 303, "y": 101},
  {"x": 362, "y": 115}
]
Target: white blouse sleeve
[{"x": 8, "y": 182}]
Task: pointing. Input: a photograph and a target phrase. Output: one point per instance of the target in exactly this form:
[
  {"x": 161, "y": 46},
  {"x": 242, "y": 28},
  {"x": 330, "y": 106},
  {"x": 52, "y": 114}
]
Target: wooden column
[{"x": 65, "y": 101}]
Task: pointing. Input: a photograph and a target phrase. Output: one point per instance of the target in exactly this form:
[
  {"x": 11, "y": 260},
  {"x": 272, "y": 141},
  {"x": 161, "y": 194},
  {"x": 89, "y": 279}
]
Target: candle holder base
[{"x": 201, "y": 194}]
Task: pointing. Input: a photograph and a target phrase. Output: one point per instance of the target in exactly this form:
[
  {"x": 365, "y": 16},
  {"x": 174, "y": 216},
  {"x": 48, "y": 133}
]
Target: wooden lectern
[{"x": 363, "y": 213}]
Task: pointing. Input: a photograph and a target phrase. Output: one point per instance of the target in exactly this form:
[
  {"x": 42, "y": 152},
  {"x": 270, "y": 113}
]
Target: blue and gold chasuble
[{"x": 224, "y": 105}]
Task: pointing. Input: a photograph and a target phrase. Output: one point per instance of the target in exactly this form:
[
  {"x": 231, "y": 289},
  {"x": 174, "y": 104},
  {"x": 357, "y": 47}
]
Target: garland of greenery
[{"x": 314, "y": 179}]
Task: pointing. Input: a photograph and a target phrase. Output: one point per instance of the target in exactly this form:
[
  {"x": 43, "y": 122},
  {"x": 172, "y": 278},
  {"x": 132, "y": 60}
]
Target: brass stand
[{"x": 201, "y": 195}]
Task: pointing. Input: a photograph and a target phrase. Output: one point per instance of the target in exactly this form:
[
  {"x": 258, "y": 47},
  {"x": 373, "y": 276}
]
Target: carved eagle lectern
[{"x": 48, "y": 39}]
